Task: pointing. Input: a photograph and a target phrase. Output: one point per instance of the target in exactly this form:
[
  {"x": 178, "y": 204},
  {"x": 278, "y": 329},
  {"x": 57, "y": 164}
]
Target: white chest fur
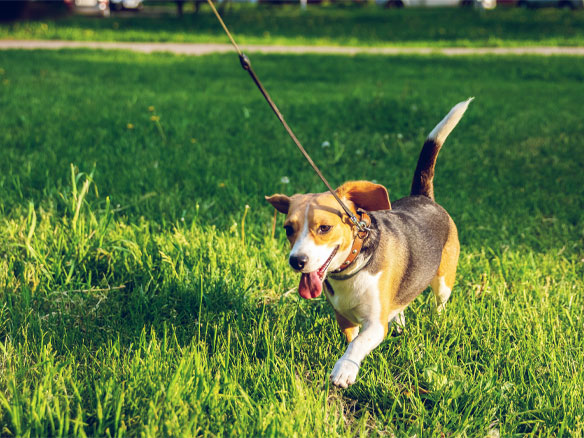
[{"x": 356, "y": 298}]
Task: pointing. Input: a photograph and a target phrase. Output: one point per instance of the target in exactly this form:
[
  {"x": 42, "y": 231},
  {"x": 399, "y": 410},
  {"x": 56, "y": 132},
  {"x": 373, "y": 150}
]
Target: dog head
[{"x": 320, "y": 232}]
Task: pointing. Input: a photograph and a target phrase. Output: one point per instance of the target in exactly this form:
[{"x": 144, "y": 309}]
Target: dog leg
[
  {"x": 347, "y": 367},
  {"x": 399, "y": 321},
  {"x": 443, "y": 282},
  {"x": 349, "y": 329},
  {"x": 441, "y": 291}
]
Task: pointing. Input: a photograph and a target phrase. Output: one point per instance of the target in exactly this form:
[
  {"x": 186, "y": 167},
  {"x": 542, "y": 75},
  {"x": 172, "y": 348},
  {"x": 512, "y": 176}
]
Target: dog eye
[
  {"x": 289, "y": 230},
  {"x": 323, "y": 229}
]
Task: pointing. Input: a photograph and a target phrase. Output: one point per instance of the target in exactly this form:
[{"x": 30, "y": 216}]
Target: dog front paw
[{"x": 344, "y": 373}]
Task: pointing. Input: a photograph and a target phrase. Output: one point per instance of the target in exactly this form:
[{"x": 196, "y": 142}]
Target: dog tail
[{"x": 424, "y": 174}]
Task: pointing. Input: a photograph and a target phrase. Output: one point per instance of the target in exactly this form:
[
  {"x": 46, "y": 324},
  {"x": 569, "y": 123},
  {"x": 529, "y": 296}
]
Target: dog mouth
[{"x": 311, "y": 283}]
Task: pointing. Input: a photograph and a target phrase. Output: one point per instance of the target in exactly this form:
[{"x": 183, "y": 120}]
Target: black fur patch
[{"x": 421, "y": 227}]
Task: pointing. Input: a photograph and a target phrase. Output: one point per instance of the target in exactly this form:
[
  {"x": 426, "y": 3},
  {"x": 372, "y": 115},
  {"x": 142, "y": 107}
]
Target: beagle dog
[{"x": 370, "y": 277}]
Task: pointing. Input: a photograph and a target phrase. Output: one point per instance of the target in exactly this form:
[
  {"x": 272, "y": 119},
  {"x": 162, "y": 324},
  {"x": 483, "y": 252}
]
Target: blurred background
[{"x": 35, "y": 9}]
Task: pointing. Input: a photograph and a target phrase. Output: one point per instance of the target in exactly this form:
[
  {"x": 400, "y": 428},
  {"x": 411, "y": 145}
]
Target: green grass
[
  {"x": 135, "y": 300},
  {"x": 332, "y": 25}
]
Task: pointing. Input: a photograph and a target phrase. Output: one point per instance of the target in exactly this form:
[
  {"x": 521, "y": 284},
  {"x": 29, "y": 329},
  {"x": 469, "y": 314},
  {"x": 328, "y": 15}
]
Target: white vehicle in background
[
  {"x": 481, "y": 4},
  {"x": 117, "y": 5},
  {"x": 89, "y": 7}
]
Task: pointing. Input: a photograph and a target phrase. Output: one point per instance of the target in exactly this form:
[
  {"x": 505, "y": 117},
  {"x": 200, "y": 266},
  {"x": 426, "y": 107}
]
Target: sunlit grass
[{"x": 131, "y": 303}]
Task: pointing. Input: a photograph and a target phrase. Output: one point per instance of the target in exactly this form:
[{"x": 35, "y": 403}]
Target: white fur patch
[
  {"x": 357, "y": 298},
  {"x": 305, "y": 245},
  {"x": 448, "y": 123},
  {"x": 347, "y": 367},
  {"x": 344, "y": 373}
]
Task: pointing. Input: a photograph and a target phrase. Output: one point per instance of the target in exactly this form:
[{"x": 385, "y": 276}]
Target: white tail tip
[{"x": 448, "y": 123}]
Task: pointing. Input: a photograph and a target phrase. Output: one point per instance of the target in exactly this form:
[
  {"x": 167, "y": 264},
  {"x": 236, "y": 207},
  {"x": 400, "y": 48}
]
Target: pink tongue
[{"x": 310, "y": 285}]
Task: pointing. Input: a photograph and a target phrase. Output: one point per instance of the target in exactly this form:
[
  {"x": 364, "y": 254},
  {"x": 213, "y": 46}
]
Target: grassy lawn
[
  {"x": 333, "y": 25},
  {"x": 138, "y": 297}
]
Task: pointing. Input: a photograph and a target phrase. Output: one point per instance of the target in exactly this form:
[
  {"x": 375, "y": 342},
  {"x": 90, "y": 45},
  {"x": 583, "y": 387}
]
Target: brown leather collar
[{"x": 358, "y": 242}]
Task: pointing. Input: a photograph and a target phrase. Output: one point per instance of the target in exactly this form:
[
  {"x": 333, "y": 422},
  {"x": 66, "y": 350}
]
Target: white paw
[{"x": 344, "y": 373}]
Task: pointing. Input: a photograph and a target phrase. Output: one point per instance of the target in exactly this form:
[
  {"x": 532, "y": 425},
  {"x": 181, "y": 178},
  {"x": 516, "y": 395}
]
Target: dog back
[{"x": 420, "y": 227}]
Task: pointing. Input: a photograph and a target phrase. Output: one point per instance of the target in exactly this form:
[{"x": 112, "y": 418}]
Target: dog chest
[{"x": 357, "y": 298}]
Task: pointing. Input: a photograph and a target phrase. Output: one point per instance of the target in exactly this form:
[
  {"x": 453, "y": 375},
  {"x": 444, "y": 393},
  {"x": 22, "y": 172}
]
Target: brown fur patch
[
  {"x": 280, "y": 202},
  {"x": 450, "y": 253},
  {"x": 366, "y": 195},
  {"x": 323, "y": 209},
  {"x": 392, "y": 270},
  {"x": 349, "y": 329}
]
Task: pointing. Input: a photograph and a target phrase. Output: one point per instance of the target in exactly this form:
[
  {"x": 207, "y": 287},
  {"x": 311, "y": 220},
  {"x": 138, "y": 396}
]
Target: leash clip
[
  {"x": 360, "y": 223},
  {"x": 363, "y": 226}
]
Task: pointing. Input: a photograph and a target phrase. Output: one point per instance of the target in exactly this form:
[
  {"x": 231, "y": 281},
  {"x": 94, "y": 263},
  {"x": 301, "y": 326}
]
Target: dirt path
[{"x": 206, "y": 48}]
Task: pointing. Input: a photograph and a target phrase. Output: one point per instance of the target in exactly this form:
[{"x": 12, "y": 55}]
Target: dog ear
[
  {"x": 365, "y": 195},
  {"x": 280, "y": 202}
]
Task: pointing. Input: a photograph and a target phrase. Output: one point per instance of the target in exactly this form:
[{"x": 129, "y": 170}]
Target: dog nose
[{"x": 298, "y": 261}]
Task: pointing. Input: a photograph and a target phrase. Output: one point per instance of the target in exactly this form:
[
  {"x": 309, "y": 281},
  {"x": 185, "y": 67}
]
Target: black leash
[{"x": 246, "y": 64}]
